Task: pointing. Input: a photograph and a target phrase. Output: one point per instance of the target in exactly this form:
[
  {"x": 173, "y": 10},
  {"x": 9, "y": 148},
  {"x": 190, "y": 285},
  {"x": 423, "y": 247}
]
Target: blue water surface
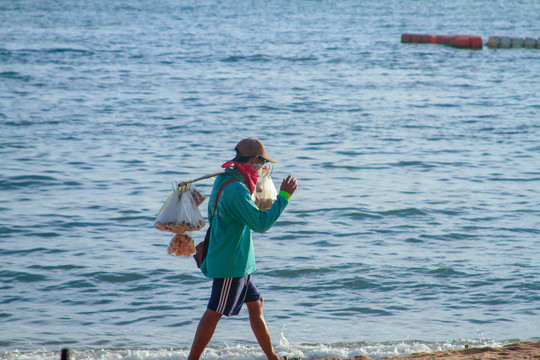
[{"x": 416, "y": 225}]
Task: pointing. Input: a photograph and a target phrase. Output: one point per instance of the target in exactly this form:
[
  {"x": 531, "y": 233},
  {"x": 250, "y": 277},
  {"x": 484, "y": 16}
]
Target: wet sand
[{"x": 517, "y": 351}]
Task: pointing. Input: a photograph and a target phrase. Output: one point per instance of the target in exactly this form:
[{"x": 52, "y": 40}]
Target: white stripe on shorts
[{"x": 225, "y": 290}]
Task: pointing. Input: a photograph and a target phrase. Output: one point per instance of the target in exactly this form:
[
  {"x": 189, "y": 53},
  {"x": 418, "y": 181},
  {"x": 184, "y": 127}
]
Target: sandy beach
[{"x": 517, "y": 351}]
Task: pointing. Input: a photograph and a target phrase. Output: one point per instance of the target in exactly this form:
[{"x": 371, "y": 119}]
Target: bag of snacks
[
  {"x": 197, "y": 196},
  {"x": 181, "y": 244},
  {"x": 265, "y": 192},
  {"x": 180, "y": 213}
]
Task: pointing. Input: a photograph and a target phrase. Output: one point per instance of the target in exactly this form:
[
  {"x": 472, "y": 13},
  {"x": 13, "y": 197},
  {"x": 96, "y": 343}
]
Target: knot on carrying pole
[{"x": 184, "y": 186}]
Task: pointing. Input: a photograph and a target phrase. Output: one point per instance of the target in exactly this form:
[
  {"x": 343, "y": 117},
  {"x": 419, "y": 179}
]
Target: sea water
[{"x": 416, "y": 224}]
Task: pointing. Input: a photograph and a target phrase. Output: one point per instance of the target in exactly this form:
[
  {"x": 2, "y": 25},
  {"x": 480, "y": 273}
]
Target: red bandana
[{"x": 248, "y": 170}]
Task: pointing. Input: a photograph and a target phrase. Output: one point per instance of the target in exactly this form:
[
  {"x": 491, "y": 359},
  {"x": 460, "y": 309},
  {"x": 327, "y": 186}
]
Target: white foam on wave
[{"x": 241, "y": 352}]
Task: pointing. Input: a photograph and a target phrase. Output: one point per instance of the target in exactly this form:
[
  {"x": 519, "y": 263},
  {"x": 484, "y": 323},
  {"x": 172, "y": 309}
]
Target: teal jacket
[{"x": 230, "y": 253}]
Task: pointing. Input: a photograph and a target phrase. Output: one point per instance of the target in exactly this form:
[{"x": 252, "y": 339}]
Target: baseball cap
[{"x": 252, "y": 147}]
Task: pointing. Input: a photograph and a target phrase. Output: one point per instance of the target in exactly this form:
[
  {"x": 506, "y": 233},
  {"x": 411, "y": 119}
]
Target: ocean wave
[
  {"x": 262, "y": 58},
  {"x": 22, "y": 181},
  {"x": 15, "y": 75},
  {"x": 402, "y": 212},
  {"x": 342, "y": 350},
  {"x": 8, "y": 276},
  {"x": 108, "y": 277},
  {"x": 291, "y": 273}
]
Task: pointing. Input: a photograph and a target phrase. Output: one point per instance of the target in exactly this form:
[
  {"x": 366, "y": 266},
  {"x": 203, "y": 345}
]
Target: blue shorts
[{"x": 229, "y": 294}]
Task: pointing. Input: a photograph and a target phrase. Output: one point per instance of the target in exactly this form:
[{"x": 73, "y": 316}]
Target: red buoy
[
  {"x": 442, "y": 39},
  {"x": 476, "y": 42},
  {"x": 428, "y": 39},
  {"x": 461, "y": 42},
  {"x": 458, "y": 41},
  {"x": 415, "y": 38}
]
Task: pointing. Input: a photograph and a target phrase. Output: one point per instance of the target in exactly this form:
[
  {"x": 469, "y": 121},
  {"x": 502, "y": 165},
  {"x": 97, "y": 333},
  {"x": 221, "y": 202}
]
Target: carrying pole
[{"x": 200, "y": 178}]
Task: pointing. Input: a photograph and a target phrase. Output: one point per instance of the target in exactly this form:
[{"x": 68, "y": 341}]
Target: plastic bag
[
  {"x": 197, "y": 196},
  {"x": 265, "y": 192},
  {"x": 181, "y": 244},
  {"x": 180, "y": 213}
]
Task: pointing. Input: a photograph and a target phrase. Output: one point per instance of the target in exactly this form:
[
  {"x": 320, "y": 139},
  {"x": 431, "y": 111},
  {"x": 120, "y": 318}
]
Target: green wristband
[{"x": 285, "y": 194}]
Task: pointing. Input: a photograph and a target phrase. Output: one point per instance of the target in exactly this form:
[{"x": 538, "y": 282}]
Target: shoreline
[{"x": 525, "y": 350}]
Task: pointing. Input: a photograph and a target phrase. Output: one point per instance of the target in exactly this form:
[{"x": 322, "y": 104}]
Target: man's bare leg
[
  {"x": 204, "y": 333},
  {"x": 258, "y": 325}
]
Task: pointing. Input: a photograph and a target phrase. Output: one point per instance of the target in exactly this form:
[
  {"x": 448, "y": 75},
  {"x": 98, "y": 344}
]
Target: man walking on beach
[{"x": 230, "y": 259}]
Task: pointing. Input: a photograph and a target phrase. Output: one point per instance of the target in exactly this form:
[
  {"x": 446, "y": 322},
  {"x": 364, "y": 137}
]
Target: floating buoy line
[
  {"x": 473, "y": 42},
  {"x": 507, "y": 42}
]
